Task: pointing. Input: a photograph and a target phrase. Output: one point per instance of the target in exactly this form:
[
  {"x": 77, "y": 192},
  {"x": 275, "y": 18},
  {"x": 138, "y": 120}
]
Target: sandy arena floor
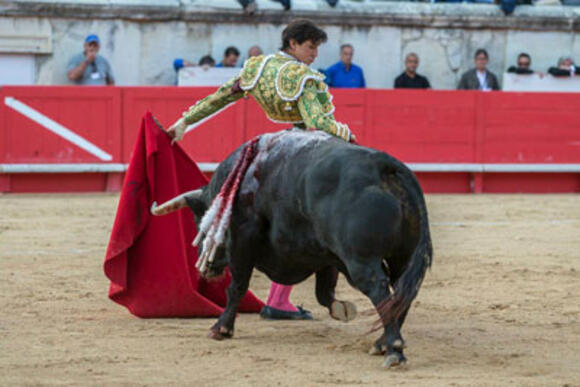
[{"x": 500, "y": 306}]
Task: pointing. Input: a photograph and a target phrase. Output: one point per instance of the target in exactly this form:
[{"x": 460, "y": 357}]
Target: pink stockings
[{"x": 279, "y": 298}]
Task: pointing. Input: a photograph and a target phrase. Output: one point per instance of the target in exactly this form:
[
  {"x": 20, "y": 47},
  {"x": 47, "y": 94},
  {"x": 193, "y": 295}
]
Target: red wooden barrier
[
  {"x": 97, "y": 125},
  {"x": 85, "y": 127}
]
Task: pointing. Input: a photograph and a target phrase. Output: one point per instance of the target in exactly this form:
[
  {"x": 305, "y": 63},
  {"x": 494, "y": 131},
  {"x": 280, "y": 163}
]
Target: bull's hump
[
  {"x": 279, "y": 149},
  {"x": 288, "y": 142}
]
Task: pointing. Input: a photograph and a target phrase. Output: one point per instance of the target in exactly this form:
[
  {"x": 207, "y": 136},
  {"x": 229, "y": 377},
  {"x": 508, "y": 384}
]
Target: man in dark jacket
[{"x": 479, "y": 78}]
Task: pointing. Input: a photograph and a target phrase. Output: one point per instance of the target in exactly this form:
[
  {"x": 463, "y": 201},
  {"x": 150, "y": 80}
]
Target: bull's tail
[{"x": 408, "y": 284}]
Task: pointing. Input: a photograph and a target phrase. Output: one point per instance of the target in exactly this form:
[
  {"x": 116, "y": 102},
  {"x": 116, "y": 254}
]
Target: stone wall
[{"x": 141, "y": 38}]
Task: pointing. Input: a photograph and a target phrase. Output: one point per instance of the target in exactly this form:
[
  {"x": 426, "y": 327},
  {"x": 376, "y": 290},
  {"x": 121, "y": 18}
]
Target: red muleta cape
[{"x": 150, "y": 260}]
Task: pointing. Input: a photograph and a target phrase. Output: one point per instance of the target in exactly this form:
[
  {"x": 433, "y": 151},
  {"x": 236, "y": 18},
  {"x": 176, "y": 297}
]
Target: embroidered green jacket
[{"x": 287, "y": 90}]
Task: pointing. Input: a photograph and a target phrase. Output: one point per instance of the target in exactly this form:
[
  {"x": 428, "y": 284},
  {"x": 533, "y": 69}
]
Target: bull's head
[{"x": 196, "y": 201}]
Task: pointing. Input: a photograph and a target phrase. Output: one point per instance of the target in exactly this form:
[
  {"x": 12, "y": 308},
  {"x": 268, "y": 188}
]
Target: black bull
[{"x": 311, "y": 203}]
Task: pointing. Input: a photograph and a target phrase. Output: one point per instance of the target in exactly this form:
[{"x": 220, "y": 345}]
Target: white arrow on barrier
[{"x": 56, "y": 128}]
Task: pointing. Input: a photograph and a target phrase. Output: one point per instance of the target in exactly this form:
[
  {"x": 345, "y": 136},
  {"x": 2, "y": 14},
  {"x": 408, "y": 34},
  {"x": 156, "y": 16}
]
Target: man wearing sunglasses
[{"x": 523, "y": 65}]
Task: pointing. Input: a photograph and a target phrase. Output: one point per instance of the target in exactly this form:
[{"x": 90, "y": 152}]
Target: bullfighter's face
[{"x": 305, "y": 52}]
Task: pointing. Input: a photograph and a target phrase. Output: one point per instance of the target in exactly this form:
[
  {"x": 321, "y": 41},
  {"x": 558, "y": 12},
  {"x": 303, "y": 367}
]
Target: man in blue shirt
[
  {"x": 345, "y": 73},
  {"x": 231, "y": 56}
]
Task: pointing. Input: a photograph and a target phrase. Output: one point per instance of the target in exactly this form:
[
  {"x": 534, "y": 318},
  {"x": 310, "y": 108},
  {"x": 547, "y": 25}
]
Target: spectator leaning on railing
[
  {"x": 409, "y": 79},
  {"x": 207, "y": 61},
  {"x": 88, "y": 67},
  {"x": 479, "y": 78},
  {"x": 523, "y": 65},
  {"x": 566, "y": 68},
  {"x": 344, "y": 73},
  {"x": 180, "y": 63}
]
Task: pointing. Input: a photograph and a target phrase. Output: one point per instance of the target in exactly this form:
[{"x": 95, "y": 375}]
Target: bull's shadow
[{"x": 296, "y": 203}]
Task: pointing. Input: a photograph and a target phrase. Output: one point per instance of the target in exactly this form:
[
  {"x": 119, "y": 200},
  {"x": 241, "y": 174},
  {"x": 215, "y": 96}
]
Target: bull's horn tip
[{"x": 153, "y": 208}]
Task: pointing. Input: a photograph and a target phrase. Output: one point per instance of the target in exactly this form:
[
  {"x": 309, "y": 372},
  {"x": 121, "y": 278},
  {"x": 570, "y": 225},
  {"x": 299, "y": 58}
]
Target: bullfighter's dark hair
[{"x": 302, "y": 30}]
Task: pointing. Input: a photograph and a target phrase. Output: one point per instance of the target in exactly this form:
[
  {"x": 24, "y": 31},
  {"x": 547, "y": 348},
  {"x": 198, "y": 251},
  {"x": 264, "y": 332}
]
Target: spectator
[
  {"x": 207, "y": 61},
  {"x": 231, "y": 56},
  {"x": 523, "y": 65},
  {"x": 345, "y": 73},
  {"x": 88, "y": 67},
  {"x": 479, "y": 78},
  {"x": 287, "y": 4},
  {"x": 181, "y": 63},
  {"x": 254, "y": 51},
  {"x": 566, "y": 68},
  {"x": 409, "y": 79},
  {"x": 249, "y": 6}
]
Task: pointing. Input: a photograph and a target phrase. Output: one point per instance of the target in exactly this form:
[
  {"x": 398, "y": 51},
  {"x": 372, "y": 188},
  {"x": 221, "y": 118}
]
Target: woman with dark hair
[{"x": 288, "y": 91}]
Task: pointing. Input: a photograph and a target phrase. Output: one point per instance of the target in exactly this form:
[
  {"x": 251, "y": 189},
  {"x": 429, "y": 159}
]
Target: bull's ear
[{"x": 195, "y": 202}]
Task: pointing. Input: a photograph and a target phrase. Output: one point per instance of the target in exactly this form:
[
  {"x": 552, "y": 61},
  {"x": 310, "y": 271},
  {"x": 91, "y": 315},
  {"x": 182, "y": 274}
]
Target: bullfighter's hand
[
  {"x": 353, "y": 139},
  {"x": 177, "y": 130}
]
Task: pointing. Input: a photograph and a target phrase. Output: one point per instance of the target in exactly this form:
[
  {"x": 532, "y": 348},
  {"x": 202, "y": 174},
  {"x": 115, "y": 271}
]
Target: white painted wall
[{"x": 17, "y": 69}]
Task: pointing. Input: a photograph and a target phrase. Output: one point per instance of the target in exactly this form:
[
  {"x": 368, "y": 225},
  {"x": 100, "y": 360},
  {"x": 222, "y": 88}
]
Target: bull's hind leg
[
  {"x": 369, "y": 278},
  {"x": 380, "y": 345},
  {"x": 325, "y": 284}
]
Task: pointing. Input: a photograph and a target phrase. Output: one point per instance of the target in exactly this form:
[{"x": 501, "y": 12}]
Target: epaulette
[
  {"x": 291, "y": 78},
  {"x": 252, "y": 71}
]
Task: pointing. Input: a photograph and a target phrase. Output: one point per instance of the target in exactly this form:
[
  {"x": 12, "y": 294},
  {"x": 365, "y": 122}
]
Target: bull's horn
[{"x": 174, "y": 204}]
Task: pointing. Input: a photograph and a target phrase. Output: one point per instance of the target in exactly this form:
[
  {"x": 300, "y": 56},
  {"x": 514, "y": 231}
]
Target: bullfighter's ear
[{"x": 195, "y": 201}]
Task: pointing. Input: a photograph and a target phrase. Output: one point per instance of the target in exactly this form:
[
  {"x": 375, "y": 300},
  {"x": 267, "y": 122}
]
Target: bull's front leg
[
  {"x": 326, "y": 280},
  {"x": 241, "y": 273},
  {"x": 369, "y": 278},
  {"x": 241, "y": 250}
]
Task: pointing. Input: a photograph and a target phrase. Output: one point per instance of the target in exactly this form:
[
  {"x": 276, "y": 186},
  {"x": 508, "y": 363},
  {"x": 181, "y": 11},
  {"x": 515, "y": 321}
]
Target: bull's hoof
[
  {"x": 220, "y": 333},
  {"x": 394, "y": 359},
  {"x": 342, "y": 310}
]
